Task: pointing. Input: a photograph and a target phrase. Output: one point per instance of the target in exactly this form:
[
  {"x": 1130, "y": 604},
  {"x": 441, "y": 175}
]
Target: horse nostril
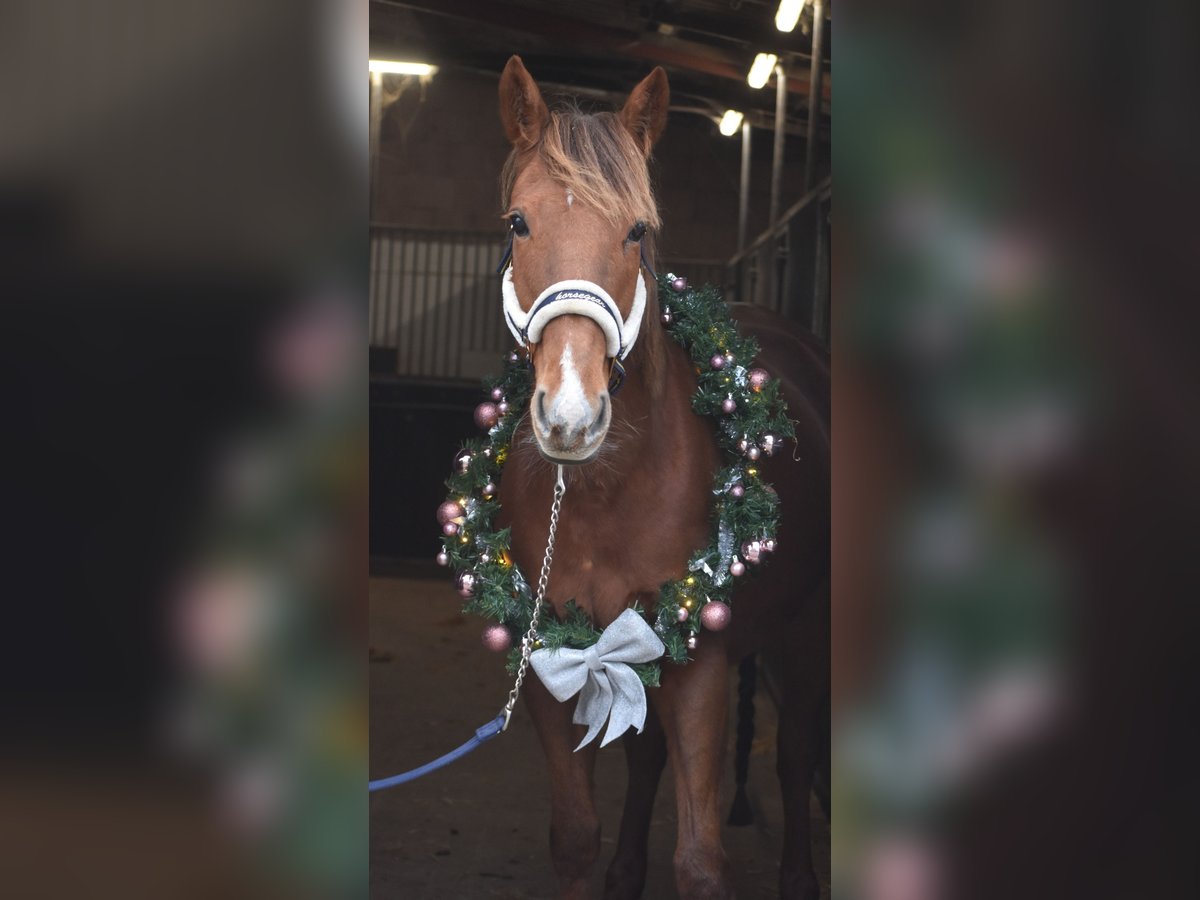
[
  {"x": 600, "y": 421},
  {"x": 541, "y": 409}
]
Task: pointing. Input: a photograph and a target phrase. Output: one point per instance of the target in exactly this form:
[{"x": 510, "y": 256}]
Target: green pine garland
[{"x": 746, "y": 509}]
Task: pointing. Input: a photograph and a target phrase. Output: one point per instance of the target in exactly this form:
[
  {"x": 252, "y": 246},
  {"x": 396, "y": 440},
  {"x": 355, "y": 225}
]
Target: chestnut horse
[{"x": 577, "y": 193}]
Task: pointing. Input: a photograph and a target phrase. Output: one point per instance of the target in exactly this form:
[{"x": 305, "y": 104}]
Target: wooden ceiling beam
[{"x": 630, "y": 43}]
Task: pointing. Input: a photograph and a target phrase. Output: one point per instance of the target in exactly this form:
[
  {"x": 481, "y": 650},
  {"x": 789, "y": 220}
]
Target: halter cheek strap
[{"x": 575, "y": 297}]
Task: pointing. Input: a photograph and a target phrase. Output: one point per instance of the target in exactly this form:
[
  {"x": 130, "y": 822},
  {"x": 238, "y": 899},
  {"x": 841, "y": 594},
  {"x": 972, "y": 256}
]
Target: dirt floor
[{"x": 479, "y": 828}]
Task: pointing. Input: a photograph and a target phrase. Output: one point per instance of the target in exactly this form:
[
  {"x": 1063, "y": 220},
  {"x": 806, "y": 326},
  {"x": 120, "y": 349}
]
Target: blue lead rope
[{"x": 482, "y": 734}]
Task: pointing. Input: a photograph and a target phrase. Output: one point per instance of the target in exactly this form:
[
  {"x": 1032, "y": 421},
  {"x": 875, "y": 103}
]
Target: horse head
[{"x": 576, "y": 194}]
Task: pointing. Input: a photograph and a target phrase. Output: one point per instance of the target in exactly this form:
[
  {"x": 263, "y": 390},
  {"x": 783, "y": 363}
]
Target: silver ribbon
[{"x": 608, "y": 688}]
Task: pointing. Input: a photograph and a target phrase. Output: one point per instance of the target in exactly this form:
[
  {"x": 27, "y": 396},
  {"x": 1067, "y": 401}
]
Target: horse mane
[
  {"x": 651, "y": 351},
  {"x": 594, "y": 156}
]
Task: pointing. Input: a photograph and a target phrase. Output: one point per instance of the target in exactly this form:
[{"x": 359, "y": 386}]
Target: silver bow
[{"x": 608, "y": 688}]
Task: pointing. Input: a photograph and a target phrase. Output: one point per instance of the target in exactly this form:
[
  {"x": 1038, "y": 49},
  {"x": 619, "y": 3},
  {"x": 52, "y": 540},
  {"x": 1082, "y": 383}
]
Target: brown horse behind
[{"x": 638, "y": 499}]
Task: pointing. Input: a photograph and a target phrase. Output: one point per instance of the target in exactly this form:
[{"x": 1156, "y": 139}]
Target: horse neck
[{"x": 641, "y": 505}]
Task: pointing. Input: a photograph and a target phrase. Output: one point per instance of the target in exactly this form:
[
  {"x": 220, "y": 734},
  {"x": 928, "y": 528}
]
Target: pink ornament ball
[
  {"x": 449, "y": 511},
  {"x": 717, "y": 362},
  {"x": 496, "y": 638},
  {"x": 692, "y": 642},
  {"x": 462, "y": 462},
  {"x": 752, "y": 453},
  {"x": 489, "y": 489},
  {"x": 715, "y": 615},
  {"x": 737, "y": 491},
  {"x": 497, "y": 393},
  {"x": 758, "y": 379},
  {"x": 449, "y": 529},
  {"x": 502, "y": 408},
  {"x": 769, "y": 545},
  {"x": 443, "y": 558},
  {"x": 679, "y": 284},
  {"x": 466, "y": 585},
  {"x": 486, "y": 415},
  {"x": 728, "y": 405},
  {"x": 737, "y": 569},
  {"x": 752, "y": 551},
  {"x": 667, "y": 318},
  {"x": 682, "y": 615}
]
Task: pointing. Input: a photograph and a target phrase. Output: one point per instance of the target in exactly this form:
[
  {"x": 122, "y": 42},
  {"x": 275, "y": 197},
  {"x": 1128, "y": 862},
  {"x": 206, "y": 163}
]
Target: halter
[{"x": 577, "y": 297}]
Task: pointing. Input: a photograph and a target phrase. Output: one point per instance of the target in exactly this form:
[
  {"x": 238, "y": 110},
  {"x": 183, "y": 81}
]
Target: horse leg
[
  {"x": 692, "y": 704},
  {"x": 805, "y": 684},
  {"x": 741, "y": 813},
  {"x": 646, "y": 755},
  {"x": 574, "y": 823}
]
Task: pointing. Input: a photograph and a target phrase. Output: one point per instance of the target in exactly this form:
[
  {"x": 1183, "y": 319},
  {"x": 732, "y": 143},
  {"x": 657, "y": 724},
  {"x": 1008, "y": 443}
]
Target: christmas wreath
[{"x": 751, "y": 419}]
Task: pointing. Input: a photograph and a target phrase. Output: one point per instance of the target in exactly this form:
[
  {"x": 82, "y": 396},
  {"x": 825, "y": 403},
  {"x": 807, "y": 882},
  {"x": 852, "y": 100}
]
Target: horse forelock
[{"x": 595, "y": 158}]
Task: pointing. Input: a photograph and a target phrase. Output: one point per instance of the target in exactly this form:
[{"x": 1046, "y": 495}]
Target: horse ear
[
  {"x": 645, "y": 112},
  {"x": 522, "y": 109}
]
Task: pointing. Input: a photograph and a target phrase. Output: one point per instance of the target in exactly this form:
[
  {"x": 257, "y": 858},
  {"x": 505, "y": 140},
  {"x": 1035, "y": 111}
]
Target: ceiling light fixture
[
  {"x": 731, "y": 122},
  {"x": 397, "y": 67},
  {"x": 788, "y": 14},
  {"x": 761, "y": 70}
]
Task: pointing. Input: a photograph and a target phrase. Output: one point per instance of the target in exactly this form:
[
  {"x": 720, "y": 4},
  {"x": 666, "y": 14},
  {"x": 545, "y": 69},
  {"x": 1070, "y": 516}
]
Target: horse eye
[
  {"x": 637, "y": 232},
  {"x": 519, "y": 226}
]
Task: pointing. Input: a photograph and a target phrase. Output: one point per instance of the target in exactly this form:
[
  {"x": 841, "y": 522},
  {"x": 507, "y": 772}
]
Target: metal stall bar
[
  {"x": 432, "y": 293},
  {"x": 816, "y": 73},
  {"x": 789, "y": 248}
]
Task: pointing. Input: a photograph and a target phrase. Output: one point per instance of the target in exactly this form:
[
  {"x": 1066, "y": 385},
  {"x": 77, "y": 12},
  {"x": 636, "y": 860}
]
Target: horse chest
[{"x": 604, "y": 562}]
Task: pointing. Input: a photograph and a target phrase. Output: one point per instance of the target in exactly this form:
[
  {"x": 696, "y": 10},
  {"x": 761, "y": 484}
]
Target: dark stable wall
[{"x": 441, "y": 150}]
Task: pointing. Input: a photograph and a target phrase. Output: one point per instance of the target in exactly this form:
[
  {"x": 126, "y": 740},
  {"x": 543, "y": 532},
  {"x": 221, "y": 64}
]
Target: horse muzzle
[{"x": 568, "y": 429}]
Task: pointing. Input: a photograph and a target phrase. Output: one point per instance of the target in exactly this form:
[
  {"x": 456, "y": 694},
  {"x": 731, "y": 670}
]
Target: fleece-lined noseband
[{"x": 576, "y": 297}]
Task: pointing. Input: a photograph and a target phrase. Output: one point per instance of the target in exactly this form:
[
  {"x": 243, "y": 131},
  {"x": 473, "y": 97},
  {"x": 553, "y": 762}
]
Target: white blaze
[{"x": 570, "y": 407}]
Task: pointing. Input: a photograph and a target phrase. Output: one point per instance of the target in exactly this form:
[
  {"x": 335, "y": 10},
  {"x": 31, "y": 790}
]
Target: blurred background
[
  {"x": 1010, "y": 278},
  {"x": 183, "y": 206}
]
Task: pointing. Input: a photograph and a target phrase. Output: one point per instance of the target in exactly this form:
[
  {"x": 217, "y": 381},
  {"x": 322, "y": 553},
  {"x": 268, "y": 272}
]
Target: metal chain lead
[{"x": 560, "y": 488}]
